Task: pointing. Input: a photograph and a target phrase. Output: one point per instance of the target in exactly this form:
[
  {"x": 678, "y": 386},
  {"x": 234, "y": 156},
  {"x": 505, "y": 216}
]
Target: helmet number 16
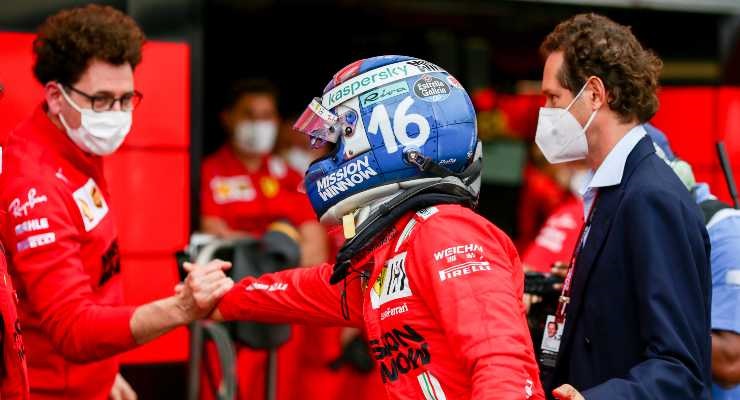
[{"x": 379, "y": 120}]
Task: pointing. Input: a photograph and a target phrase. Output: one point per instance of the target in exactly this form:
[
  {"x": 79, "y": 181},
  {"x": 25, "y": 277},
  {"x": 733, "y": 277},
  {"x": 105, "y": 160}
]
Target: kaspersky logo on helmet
[
  {"x": 354, "y": 87},
  {"x": 351, "y": 174},
  {"x": 374, "y": 79}
]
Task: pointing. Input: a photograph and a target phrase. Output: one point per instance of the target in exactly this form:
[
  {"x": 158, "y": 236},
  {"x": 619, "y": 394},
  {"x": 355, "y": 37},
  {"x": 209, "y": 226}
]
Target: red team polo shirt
[
  {"x": 251, "y": 201},
  {"x": 64, "y": 259},
  {"x": 13, "y": 372}
]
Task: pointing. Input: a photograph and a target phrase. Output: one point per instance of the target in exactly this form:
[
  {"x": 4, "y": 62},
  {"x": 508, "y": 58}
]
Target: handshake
[{"x": 200, "y": 292}]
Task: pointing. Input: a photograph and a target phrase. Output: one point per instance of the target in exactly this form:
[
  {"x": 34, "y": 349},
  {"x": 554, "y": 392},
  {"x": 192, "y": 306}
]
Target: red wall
[
  {"x": 148, "y": 177},
  {"x": 694, "y": 119}
]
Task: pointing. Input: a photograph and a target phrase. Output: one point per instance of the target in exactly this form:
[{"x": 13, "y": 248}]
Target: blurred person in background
[
  {"x": 631, "y": 328},
  {"x": 245, "y": 187},
  {"x": 60, "y": 234},
  {"x": 723, "y": 225},
  {"x": 13, "y": 370},
  {"x": 248, "y": 189},
  {"x": 557, "y": 237},
  {"x": 542, "y": 193}
]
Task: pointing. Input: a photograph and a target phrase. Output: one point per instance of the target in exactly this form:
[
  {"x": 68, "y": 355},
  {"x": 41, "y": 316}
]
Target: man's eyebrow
[{"x": 108, "y": 93}]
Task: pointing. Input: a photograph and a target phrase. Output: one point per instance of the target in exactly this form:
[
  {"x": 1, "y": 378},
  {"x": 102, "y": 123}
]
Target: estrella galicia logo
[
  {"x": 111, "y": 263},
  {"x": 430, "y": 88},
  {"x": 399, "y": 352}
]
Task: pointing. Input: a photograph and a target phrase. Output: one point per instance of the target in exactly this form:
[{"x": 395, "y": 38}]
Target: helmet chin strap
[{"x": 356, "y": 217}]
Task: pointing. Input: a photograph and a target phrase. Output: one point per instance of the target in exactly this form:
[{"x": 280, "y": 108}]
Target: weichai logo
[
  {"x": 399, "y": 352},
  {"x": 351, "y": 174}
]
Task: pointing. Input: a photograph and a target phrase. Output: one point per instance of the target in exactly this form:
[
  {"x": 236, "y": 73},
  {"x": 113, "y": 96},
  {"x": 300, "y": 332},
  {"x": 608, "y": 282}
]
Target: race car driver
[
  {"x": 13, "y": 370},
  {"x": 437, "y": 287},
  {"x": 59, "y": 231}
]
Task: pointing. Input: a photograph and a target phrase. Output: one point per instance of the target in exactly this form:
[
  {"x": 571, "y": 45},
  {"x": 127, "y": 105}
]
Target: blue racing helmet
[{"x": 384, "y": 116}]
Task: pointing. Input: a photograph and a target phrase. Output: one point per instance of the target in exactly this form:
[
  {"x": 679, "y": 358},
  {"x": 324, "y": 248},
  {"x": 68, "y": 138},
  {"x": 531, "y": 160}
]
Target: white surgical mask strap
[
  {"x": 69, "y": 100},
  {"x": 590, "y": 119}
]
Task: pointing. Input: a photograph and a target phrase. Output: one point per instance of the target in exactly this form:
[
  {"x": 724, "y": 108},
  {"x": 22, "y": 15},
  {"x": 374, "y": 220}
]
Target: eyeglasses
[{"x": 101, "y": 103}]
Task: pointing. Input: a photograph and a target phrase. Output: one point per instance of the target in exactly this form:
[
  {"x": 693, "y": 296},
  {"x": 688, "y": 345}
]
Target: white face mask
[
  {"x": 560, "y": 136},
  {"x": 100, "y": 133},
  {"x": 299, "y": 158},
  {"x": 255, "y": 137}
]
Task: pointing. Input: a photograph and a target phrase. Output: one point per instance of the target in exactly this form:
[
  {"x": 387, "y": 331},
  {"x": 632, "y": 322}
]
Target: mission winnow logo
[{"x": 351, "y": 174}]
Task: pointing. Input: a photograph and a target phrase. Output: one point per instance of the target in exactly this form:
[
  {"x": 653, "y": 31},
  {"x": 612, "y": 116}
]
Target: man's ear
[
  {"x": 598, "y": 95},
  {"x": 54, "y": 98}
]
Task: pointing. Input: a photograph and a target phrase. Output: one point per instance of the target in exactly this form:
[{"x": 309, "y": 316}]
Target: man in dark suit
[{"x": 636, "y": 301}]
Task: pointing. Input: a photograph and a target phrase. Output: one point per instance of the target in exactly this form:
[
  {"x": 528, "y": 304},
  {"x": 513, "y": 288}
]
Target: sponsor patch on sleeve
[
  {"x": 31, "y": 225},
  {"x": 275, "y": 287},
  {"x": 231, "y": 189},
  {"x": 35, "y": 241},
  {"x": 20, "y": 206},
  {"x": 93, "y": 207},
  {"x": 464, "y": 269}
]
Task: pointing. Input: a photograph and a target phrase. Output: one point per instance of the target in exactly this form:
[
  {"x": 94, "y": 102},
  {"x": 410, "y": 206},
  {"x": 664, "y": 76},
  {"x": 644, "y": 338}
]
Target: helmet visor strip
[{"x": 320, "y": 124}]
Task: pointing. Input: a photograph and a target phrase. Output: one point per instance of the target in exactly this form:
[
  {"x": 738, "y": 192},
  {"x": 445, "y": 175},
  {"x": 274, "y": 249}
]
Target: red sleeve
[
  {"x": 208, "y": 206},
  {"x": 48, "y": 265},
  {"x": 301, "y": 295},
  {"x": 472, "y": 280}
]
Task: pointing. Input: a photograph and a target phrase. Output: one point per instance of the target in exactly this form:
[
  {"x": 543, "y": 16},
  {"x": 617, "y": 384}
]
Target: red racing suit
[
  {"x": 13, "y": 372},
  {"x": 64, "y": 259},
  {"x": 442, "y": 307}
]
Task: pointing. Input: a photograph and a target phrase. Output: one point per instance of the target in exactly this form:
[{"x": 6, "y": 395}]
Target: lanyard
[{"x": 565, "y": 294}]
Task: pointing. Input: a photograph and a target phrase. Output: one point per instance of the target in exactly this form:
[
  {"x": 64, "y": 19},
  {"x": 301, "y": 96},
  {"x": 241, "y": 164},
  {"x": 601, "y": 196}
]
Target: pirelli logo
[{"x": 463, "y": 269}]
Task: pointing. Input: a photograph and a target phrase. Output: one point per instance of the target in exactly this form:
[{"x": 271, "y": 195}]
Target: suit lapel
[
  {"x": 606, "y": 205},
  {"x": 607, "y": 202}
]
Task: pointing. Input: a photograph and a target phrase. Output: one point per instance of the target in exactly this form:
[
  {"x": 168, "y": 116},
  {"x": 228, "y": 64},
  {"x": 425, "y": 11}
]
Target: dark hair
[
  {"x": 594, "y": 45},
  {"x": 553, "y": 323},
  {"x": 69, "y": 40},
  {"x": 241, "y": 88}
]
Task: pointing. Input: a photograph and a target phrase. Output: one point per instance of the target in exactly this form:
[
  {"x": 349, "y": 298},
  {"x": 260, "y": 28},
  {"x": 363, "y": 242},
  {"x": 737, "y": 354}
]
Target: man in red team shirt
[
  {"x": 437, "y": 288},
  {"x": 13, "y": 371},
  {"x": 245, "y": 188},
  {"x": 60, "y": 235}
]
